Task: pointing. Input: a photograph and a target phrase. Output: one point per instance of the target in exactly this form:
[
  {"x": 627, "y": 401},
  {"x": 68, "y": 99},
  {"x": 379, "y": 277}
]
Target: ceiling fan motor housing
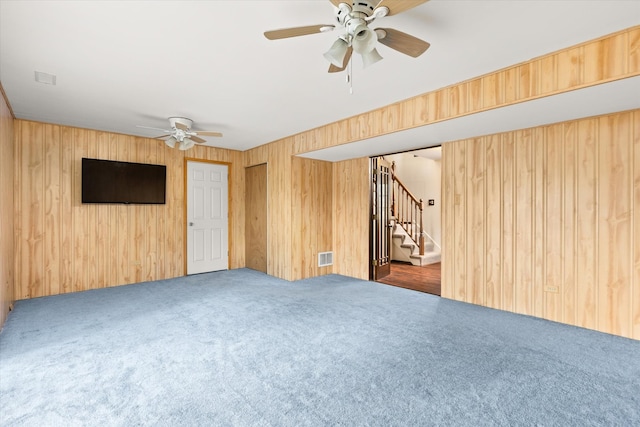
[{"x": 358, "y": 9}]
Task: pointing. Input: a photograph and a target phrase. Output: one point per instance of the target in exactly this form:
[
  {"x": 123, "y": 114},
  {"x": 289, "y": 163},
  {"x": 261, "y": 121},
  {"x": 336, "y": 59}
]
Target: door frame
[
  {"x": 374, "y": 221},
  {"x": 185, "y": 202}
]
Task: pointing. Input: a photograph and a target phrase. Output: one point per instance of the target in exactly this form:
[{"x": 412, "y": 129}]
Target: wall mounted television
[{"x": 109, "y": 181}]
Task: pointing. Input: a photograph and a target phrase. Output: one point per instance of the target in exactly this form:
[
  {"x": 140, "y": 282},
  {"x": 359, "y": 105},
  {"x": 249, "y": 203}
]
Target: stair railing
[{"x": 407, "y": 210}]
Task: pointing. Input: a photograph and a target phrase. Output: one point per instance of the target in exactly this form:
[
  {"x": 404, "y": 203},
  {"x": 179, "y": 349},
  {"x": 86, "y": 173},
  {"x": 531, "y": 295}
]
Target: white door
[{"x": 207, "y": 217}]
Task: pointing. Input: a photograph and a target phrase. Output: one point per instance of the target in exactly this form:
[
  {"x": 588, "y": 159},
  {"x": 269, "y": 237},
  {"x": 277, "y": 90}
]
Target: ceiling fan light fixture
[
  {"x": 364, "y": 40},
  {"x": 171, "y": 142},
  {"x": 186, "y": 144},
  {"x": 370, "y": 58},
  {"x": 337, "y": 52}
]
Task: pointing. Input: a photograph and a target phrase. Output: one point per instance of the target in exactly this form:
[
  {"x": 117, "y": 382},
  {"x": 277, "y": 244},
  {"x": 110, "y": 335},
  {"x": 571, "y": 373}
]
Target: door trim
[
  {"x": 379, "y": 214},
  {"x": 185, "y": 192}
]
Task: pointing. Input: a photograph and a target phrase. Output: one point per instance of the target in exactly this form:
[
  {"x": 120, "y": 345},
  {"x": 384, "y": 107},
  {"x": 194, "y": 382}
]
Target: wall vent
[{"x": 325, "y": 259}]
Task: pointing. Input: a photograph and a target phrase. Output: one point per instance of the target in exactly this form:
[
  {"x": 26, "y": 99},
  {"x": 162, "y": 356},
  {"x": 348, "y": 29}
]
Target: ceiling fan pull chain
[{"x": 350, "y": 78}]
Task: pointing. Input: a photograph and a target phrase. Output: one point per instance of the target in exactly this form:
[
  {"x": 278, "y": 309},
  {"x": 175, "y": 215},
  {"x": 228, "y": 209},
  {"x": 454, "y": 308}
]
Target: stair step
[{"x": 426, "y": 259}]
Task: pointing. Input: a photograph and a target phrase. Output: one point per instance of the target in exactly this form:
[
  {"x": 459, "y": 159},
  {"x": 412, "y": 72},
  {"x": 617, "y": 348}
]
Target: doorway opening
[{"x": 405, "y": 236}]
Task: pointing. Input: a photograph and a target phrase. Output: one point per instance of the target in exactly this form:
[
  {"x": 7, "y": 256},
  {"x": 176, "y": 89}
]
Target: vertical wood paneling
[
  {"x": 31, "y": 181},
  {"x": 569, "y": 167},
  {"x": 65, "y": 246},
  {"x": 510, "y": 85},
  {"x": 586, "y": 225},
  {"x": 351, "y": 218},
  {"x": 493, "y": 215},
  {"x": 493, "y": 90},
  {"x": 81, "y": 244},
  {"x": 457, "y": 99},
  {"x": 150, "y": 225},
  {"x": 20, "y": 290},
  {"x": 256, "y": 233},
  {"x": 565, "y": 198},
  {"x": 92, "y": 245},
  {"x": 448, "y": 197},
  {"x": 161, "y": 223},
  {"x": 538, "y": 145},
  {"x": 299, "y": 206},
  {"x": 475, "y": 213},
  {"x": 66, "y": 209},
  {"x": 552, "y": 244},
  {"x": 137, "y": 221},
  {"x": 7, "y": 206},
  {"x": 52, "y": 215},
  {"x": 279, "y": 171},
  {"x": 548, "y": 75},
  {"x": 459, "y": 220},
  {"x": 635, "y": 289},
  {"x": 474, "y": 99},
  {"x": 633, "y": 49},
  {"x": 311, "y": 213},
  {"x": 610, "y": 58},
  {"x": 570, "y": 64},
  {"x": 524, "y": 239},
  {"x": 507, "y": 160},
  {"x": 614, "y": 225},
  {"x": 102, "y": 221},
  {"x": 124, "y": 243}
]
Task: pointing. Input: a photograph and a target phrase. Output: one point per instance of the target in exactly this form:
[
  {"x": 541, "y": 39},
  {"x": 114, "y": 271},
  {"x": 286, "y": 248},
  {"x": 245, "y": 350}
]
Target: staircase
[
  {"x": 410, "y": 242},
  {"x": 406, "y": 250}
]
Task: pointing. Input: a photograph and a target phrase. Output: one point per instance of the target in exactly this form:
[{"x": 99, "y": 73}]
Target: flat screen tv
[{"x": 109, "y": 181}]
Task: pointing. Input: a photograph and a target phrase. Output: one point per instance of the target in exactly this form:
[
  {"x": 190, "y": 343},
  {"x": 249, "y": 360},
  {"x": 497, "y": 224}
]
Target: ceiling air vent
[
  {"x": 45, "y": 78},
  {"x": 325, "y": 259}
]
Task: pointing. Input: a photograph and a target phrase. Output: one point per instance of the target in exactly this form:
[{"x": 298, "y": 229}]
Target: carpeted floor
[{"x": 245, "y": 349}]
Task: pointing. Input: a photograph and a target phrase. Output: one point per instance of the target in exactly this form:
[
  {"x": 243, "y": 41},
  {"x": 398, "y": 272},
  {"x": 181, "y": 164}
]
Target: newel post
[
  {"x": 394, "y": 207},
  {"x": 421, "y": 238}
]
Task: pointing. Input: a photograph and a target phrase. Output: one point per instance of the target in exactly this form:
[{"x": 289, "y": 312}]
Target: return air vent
[{"x": 325, "y": 259}]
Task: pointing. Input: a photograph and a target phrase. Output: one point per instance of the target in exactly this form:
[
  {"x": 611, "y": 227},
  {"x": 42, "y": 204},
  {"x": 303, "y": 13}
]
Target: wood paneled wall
[
  {"x": 256, "y": 233},
  {"x": 609, "y": 58},
  {"x": 351, "y": 218},
  {"x": 278, "y": 157},
  {"x": 587, "y": 64},
  {"x": 64, "y": 246},
  {"x": 546, "y": 222},
  {"x": 7, "y": 256},
  {"x": 311, "y": 220}
]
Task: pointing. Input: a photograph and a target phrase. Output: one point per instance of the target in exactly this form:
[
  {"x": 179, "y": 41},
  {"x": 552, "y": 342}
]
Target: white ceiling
[{"x": 120, "y": 64}]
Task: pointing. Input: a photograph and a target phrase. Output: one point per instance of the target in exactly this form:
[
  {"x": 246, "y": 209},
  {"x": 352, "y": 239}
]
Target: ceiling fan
[
  {"x": 182, "y": 133},
  {"x": 357, "y": 37}
]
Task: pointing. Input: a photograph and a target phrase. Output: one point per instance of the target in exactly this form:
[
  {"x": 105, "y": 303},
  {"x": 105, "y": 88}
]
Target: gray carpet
[{"x": 245, "y": 349}]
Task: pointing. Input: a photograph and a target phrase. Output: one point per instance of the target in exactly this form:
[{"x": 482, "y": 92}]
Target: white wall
[{"x": 422, "y": 176}]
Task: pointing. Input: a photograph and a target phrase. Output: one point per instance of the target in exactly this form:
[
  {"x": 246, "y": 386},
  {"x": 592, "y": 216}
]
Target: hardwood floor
[{"x": 423, "y": 279}]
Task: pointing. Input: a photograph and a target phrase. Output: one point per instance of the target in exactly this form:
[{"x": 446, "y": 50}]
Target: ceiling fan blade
[
  {"x": 297, "y": 31},
  {"x": 162, "y": 136},
  {"x": 403, "y": 42},
  {"x": 207, "y": 133},
  {"x": 336, "y": 3},
  {"x": 148, "y": 127},
  {"x": 399, "y": 6},
  {"x": 181, "y": 126},
  {"x": 197, "y": 139},
  {"x": 345, "y": 62}
]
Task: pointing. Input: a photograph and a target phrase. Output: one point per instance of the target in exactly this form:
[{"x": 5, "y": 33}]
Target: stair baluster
[{"x": 407, "y": 210}]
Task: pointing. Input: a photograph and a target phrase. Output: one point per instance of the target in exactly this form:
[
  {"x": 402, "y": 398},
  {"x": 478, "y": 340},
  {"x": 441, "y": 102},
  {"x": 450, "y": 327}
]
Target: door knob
[{"x": 190, "y": 224}]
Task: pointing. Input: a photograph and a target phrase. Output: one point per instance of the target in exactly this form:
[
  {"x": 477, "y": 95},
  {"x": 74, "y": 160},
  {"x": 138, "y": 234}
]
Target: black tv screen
[{"x": 109, "y": 181}]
